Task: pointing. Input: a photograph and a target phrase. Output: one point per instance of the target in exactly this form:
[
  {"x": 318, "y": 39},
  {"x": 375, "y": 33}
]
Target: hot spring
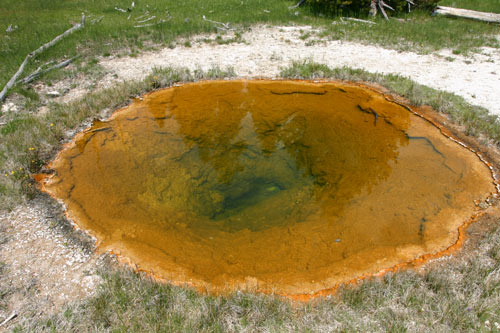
[{"x": 273, "y": 186}]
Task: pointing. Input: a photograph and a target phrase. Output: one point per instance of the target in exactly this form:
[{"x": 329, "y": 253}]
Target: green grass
[
  {"x": 110, "y": 32},
  {"x": 39, "y": 21},
  {"x": 419, "y": 32}
]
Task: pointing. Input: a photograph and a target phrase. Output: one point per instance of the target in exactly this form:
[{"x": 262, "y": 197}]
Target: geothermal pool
[{"x": 271, "y": 186}]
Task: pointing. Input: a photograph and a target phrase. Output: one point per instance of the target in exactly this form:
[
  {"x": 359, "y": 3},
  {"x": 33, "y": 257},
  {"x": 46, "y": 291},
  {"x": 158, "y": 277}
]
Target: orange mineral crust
[{"x": 273, "y": 186}]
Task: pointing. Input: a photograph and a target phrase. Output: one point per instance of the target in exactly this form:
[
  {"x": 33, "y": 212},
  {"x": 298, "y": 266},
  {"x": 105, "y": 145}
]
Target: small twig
[
  {"x": 9, "y": 318},
  {"x": 142, "y": 16},
  {"x": 359, "y": 20},
  {"x": 225, "y": 26},
  {"x": 39, "y": 71},
  {"x": 151, "y": 24},
  {"x": 120, "y": 10},
  {"x": 42, "y": 48},
  {"x": 97, "y": 20},
  {"x": 300, "y": 3},
  {"x": 41, "y": 67},
  {"x": 11, "y": 28},
  {"x": 146, "y": 20}
]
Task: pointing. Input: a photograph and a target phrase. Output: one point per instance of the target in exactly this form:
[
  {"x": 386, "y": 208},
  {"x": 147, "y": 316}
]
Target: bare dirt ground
[
  {"x": 266, "y": 50},
  {"x": 42, "y": 267}
]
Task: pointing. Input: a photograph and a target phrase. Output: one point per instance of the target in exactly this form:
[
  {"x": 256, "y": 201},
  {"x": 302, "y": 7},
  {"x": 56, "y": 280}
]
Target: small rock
[
  {"x": 337, "y": 240},
  {"x": 8, "y": 107},
  {"x": 11, "y": 28}
]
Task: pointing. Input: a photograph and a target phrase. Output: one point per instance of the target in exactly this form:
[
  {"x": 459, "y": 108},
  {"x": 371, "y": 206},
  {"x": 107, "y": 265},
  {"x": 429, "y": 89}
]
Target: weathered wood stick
[
  {"x": 225, "y": 26},
  {"x": 40, "y": 71},
  {"x": 298, "y": 4},
  {"x": 151, "y": 24},
  {"x": 466, "y": 13},
  {"x": 146, "y": 20},
  {"x": 13, "y": 79},
  {"x": 9, "y": 318},
  {"x": 42, "y": 48},
  {"x": 359, "y": 20},
  {"x": 40, "y": 68},
  {"x": 97, "y": 20},
  {"x": 61, "y": 36}
]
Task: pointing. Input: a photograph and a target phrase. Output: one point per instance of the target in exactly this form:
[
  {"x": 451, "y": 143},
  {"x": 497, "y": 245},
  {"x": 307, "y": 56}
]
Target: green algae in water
[{"x": 289, "y": 187}]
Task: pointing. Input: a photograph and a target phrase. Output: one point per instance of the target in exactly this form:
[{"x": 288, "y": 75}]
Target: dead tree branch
[
  {"x": 41, "y": 71},
  {"x": 381, "y": 5},
  {"x": 97, "y": 20},
  {"x": 11, "y": 28},
  {"x": 146, "y": 20},
  {"x": 9, "y": 318},
  {"x": 297, "y": 5},
  {"x": 359, "y": 20},
  {"x": 223, "y": 26},
  {"x": 151, "y": 24},
  {"x": 33, "y": 54}
]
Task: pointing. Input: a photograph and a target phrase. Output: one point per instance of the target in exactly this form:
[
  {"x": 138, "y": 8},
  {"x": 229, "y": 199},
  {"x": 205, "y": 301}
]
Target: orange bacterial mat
[{"x": 274, "y": 186}]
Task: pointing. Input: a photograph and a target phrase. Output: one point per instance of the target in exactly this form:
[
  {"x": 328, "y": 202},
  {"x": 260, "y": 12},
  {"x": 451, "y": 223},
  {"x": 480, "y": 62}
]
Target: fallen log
[
  {"x": 31, "y": 55},
  {"x": 466, "y": 13}
]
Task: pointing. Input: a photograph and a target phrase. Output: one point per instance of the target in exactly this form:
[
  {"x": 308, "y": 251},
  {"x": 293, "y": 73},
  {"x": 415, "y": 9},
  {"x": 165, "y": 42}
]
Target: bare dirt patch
[
  {"x": 266, "y": 50},
  {"x": 42, "y": 268}
]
